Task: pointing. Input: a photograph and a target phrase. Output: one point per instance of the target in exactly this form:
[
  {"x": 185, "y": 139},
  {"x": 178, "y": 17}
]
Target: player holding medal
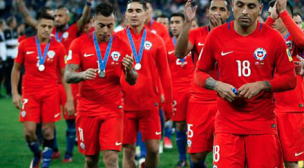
[{"x": 99, "y": 120}]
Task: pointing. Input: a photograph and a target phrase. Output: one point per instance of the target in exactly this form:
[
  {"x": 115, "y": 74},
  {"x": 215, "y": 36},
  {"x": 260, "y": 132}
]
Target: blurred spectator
[
  {"x": 2, "y": 52},
  {"x": 163, "y": 19},
  {"x": 297, "y": 18}
]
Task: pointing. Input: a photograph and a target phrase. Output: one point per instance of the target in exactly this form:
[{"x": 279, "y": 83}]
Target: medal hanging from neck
[
  {"x": 138, "y": 56},
  {"x": 41, "y": 58},
  {"x": 182, "y": 59},
  {"x": 102, "y": 63}
]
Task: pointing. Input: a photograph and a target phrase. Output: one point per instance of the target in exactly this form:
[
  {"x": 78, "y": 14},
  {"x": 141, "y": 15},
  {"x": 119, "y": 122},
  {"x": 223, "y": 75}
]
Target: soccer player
[
  {"x": 100, "y": 57},
  {"x": 245, "y": 123},
  {"x": 289, "y": 105},
  {"x": 182, "y": 71},
  {"x": 297, "y": 18},
  {"x": 163, "y": 19},
  {"x": 42, "y": 57},
  {"x": 200, "y": 124},
  {"x": 64, "y": 34},
  {"x": 142, "y": 100}
]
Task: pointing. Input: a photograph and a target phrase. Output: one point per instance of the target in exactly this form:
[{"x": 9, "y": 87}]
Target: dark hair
[
  {"x": 163, "y": 16},
  {"x": 288, "y": 7},
  {"x": 105, "y": 9},
  {"x": 44, "y": 9},
  {"x": 44, "y": 15},
  {"x": 10, "y": 20},
  {"x": 297, "y": 14},
  {"x": 142, "y": 2},
  {"x": 227, "y": 1},
  {"x": 2, "y": 22},
  {"x": 61, "y": 7},
  {"x": 178, "y": 15}
]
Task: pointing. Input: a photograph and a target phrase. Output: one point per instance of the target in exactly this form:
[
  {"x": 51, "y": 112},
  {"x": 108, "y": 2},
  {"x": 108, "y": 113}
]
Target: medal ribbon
[
  {"x": 138, "y": 56},
  {"x": 57, "y": 34},
  {"x": 40, "y": 57},
  {"x": 102, "y": 63}
]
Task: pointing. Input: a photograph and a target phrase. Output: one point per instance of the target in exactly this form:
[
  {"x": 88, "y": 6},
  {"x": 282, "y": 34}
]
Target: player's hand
[
  {"x": 281, "y": 5},
  {"x": 215, "y": 19},
  {"x": 127, "y": 62},
  {"x": 189, "y": 12},
  {"x": 17, "y": 101},
  {"x": 69, "y": 108},
  {"x": 299, "y": 66},
  {"x": 273, "y": 12},
  {"x": 250, "y": 90},
  {"x": 89, "y": 74},
  {"x": 225, "y": 91},
  {"x": 162, "y": 98}
]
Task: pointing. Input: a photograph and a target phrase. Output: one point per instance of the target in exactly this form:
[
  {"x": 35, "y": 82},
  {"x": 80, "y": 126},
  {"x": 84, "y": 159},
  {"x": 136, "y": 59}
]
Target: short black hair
[
  {"x": 288, "y": 7},
  {"x": 178, "y": 15},
  {"x": 142, "y": 2},
  {"x": 44, "y": 15},
  {"x": 62, "y": 7},
  {"x": 10, "y": 19},
  {"x": 2, "y": 22},
  {"x": 297, "y": 14},
  {"x": 163, "y": 16},
  {"x": 227, "y": 1},
  {"x": 44, "y": 9},
  {"x": 105, "y": 9}
]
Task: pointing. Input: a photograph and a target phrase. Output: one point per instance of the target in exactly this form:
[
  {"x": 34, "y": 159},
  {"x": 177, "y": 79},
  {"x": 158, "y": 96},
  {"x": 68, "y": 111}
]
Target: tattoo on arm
[
  {"x": 267, "y": 86},
  {"x": 210, "y": 83},
  {"x": 71, "y": 74}
]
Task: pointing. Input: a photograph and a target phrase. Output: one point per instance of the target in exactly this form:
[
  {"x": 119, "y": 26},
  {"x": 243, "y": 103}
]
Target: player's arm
[
  {"x": 26, "y": 14},
  {"x": 73, "y": 76},
  {"x": 295, "y": 32},
  {"x": 183, "y": 46},
  {"x": 15, "y": 77},
  {"x": 69, "y": 106},
  {"x": 85, "y": 15},
  {"x": 130, "y": 73},
  {"x": 165, "y": 78}
]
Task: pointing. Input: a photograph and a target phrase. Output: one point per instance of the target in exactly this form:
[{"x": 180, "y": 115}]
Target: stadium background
[{"x": 14, "y": 152}]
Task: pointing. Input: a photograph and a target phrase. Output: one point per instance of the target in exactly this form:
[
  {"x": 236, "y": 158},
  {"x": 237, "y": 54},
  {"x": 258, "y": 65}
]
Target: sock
[
  {"x": 39, "y": 133},
  {"x": 162, "y": 121},
  {"x": 200, "y": 164},
  {"x": 142, "y": 145},
  {"x": 55, "y": 149},
  {"x": 70, "y": 138},
  {"x": 34, "y": 147},
  {"x": 181, "y": 143},
  {"x": 48, "y": 146},
  {"x": 168, "y": 132}
]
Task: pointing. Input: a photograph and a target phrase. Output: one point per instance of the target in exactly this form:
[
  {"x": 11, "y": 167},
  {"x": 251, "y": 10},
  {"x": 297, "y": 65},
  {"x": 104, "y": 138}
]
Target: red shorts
[
  {"x": 62, "y": 102},
  {"x": 39, "y": 107},
  {"x": 103, "y": 132},
  {"x": 291, "y": 133},
  {"x": 148, "y": 122},
  {"x": 180, "y": 104},
  {"x": 239, "y": 151},
  {"x": 200, "y": 122}
]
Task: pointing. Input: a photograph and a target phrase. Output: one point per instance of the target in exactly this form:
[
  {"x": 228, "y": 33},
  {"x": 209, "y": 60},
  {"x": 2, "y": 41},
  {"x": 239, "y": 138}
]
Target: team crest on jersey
[
  {"x": 115, "y": 55},
  {"x": 65, "y": 35},
  {"x": 82, "y": 146},
  {"x": 23, "y": 114},
  {"x": 148, "y": 45},
  {"x": 260, "y": 54},
  {"x": 154, "y": 31},
  {"x": 289, "y": 44},
  {"x": 69, "y": 55},
  {"x": 51, "y": 54}
]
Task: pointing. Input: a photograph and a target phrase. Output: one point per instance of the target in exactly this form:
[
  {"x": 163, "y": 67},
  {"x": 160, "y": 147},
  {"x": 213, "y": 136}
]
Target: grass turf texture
[{"x": 14, "y": 152}]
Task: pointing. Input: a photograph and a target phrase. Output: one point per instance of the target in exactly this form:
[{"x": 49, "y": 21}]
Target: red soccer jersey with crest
[
  {"x": 67, "y": 36},
  {"x": 197, "y": 37},
  {"x": 101, "y": 94},
  {"x": 181, "y": 72},
  {"x": 159, "y": 29},
  {"x": 33, "y": 79},
  {"x": 144, "y": 95},
  {"x": 242, "y": 60}
]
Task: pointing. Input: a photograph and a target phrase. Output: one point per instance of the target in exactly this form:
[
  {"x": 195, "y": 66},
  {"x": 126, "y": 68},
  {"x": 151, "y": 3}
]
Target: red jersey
[
  {"x": 101, "y": 94},
  {"x": 182, "y": 71},
  {"x": 67, "y": 36},
  {"x": 241, "y": 60},
  {"x": 197, "y": 37},
  {"x": 144, "y": 95},
  {"x": 293, "y": 100},
  {"x": 159, "y": 29},
  {"x": 33, "y": 79}
]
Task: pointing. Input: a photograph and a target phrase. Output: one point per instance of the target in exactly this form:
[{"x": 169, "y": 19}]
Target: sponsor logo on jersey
[
  {"x": 260, "y": 54},
  {"x": 118, "y": 143},
  {"x": 226, "y": 53},
  {"x": 157, "y": 133},
  {"x": 115, "y": 55},
  {"x": 148, "y": 45}
]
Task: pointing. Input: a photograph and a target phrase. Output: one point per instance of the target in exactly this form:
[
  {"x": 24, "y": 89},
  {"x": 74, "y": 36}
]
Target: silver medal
[
  {"x": 41, "y": 67},
  {"x": 137, "y": 66},
  {"x": 102, "y": 74}
]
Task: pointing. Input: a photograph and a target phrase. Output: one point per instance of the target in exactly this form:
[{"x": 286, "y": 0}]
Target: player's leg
[
  {"x": 110, "y": 158},
  {"x": 263, "y": 151},
  {"x": 229, "y": 151},
  {"x": 48, "y": 143},
  {"x": 181, "y": 142},
  {"x": 150, "y": 126},
  {"x": 290, "y": 125},
  {"x": 33, "y": 144},
  {"x": 168, "y": 133},
  {"x": 70, "y": 139},
  {"x": 128, "y": 160},
  {"x": 91, "y": 161}
]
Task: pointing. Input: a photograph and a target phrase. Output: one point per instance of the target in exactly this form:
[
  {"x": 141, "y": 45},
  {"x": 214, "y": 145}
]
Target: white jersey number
[{"x": 243, "y": 68}]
